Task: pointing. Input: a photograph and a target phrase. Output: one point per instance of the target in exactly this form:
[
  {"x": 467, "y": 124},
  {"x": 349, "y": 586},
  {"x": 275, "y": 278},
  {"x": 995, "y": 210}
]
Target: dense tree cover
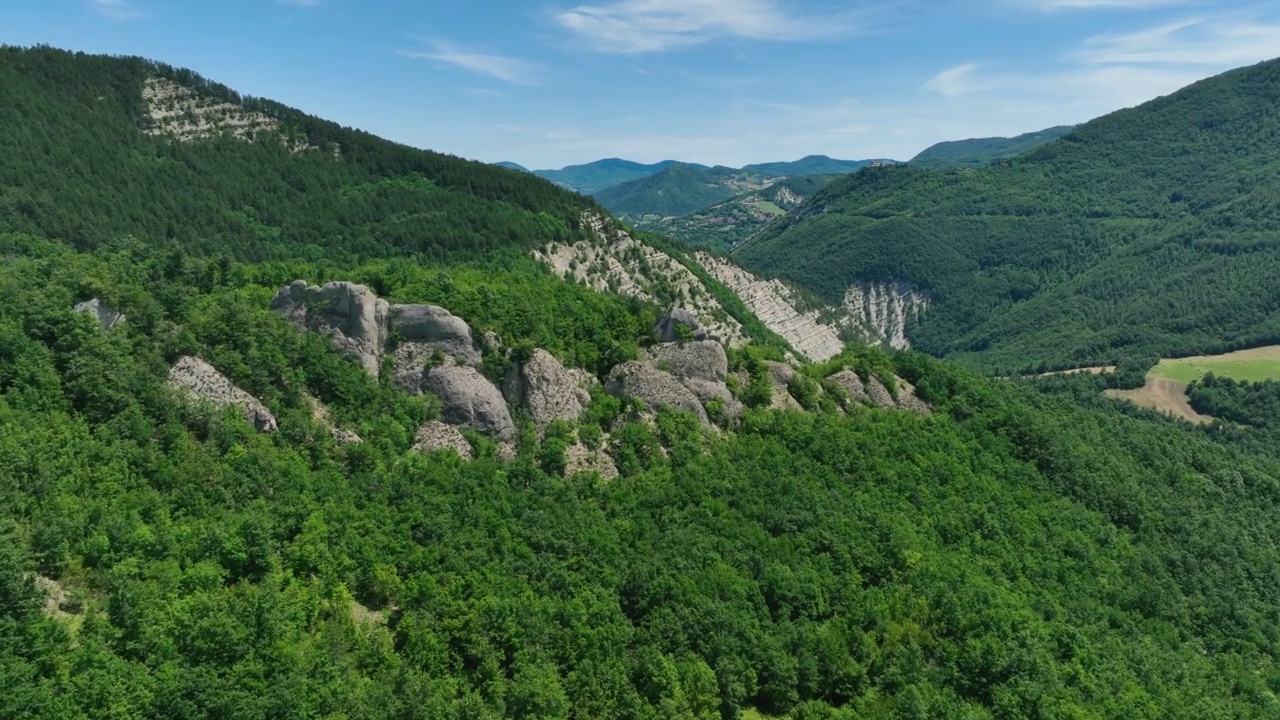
[
  {"x": 724, "y": 225},
  {"x": 1256, "y": 404},
  {"x": 678, "y": 189},
  {"x": 1009, "y": 556},
  {"x": 1152, "y": 231},
  {"x": 980, "y": 152},
  {"x": 1012, "y": 555},
  {"x": 78, "y": 169}
]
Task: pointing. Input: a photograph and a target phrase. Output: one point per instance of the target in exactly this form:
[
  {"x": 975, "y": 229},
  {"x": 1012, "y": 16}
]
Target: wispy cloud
[
  {"x": 1051, "y": 5},
  {"x": 1194, "y": 41},
  {"x": 118, "y": 9},
  {"x": 500, "y": 67},
  {"x": 636, "y": 26},
  {"x": 958, "y": 80}
]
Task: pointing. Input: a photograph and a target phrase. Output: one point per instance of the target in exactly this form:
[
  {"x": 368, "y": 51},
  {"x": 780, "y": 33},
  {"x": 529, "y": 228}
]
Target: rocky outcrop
[
  {"x": 704, "y": 360},
  {"x": 546, "y": 389},
  {"x": 436, "y": 435},
  {"x": 656, "y": 388},
  {"x": 678, "y": 325},
  {"x": 873, "y": 391},
  {"x": 351, "y": 315},
  {"x": 849, "y": 381},
  {"x": 468, "y": 398},
  {"x": 780, "y": 377},
  {"x": 426, "y": 335},
  {"x": 616, "y": 262},
  {"x": 702, "y": 367},
  {"x": 200, "y": 380},
  {"x": 879, "y": 394},
  {"x": 107, "y": 316},
  {"x": 185, "y": 115},
  {"x": 909, "y": 400},
  {"x": 885, "y": 309},
  {"x": 813, "y": 333},
  {"x": 579, "y": 459}
]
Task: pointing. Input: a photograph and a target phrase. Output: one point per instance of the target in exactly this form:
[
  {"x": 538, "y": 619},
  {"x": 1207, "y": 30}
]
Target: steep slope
[
  {"x": 513, "y": 166},
  {"x": 113, "y": 138},
  {"x": 980, "y": 152},
  {"x": 593, "y": 177},
  {"x": 1151, "y": 232}
]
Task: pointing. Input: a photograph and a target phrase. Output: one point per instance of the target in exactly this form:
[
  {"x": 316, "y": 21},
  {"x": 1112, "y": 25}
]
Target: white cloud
[
  {"x": 958, "y": 80},
  {"x": 1194, "y": 41},
  {"x": 118, "y": 9},
  {"x": 507, "y": 69},
  {"x": 1051, "y": 5},
  {"x": 635, "y": 26}
]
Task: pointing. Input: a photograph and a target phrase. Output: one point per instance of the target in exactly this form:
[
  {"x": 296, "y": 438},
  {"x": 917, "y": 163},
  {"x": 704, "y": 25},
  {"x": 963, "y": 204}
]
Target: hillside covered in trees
[
  {"x": 1149, "y": 232},
  {"x": 980, "y": 152},
  {"x": 1010, "y": 553}
]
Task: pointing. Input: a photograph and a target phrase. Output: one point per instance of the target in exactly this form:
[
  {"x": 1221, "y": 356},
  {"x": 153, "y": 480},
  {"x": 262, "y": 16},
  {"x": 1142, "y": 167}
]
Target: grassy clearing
[
  {"x": 1252, "y": 365},
  {"x": 1163, "y": 395}
]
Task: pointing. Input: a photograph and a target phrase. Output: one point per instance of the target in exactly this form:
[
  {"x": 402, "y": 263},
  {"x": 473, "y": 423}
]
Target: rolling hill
[
  {"x": 980, "y": 152},
  {"x": 725, "y": 224},
  {"x": 237, "y": 481},
  {"x": 593, "y": 177},
  {"x": 678, "y": 189},
  {"x": 811, "y": 165},
  {"x": 1151, "y": 232}
]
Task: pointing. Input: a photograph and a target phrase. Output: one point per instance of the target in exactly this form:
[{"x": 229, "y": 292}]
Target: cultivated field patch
[{"x": 1251, "y": 365}]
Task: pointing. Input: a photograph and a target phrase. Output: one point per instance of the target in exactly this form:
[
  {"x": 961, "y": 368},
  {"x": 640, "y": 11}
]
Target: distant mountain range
[{"x": 980, "y": 152}]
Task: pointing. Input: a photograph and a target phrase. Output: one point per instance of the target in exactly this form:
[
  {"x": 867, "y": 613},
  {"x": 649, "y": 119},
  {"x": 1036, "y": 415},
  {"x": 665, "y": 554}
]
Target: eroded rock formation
[
  {"x": 350, "y": 314},
  {"x": 107, "y": 316},
  {"x": 200, "y": 380},
  {"x": 468, "y": 398},
  {"x": 546, "y": 389},
  {"x": 656, "y": 388},
  {"x": 436, "y": 435}
]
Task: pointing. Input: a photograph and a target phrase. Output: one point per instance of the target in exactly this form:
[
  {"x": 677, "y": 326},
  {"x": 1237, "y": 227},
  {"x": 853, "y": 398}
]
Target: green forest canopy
[{"x": 1014, "y": 554}]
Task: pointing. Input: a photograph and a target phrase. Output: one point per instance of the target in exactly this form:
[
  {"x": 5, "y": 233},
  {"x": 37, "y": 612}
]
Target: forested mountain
[
  {"x": 678, "y": 189},
  {"x": 980, "y": 152},
  {"x": 593, "y": 177},
  {"x": 513, "y": 166},
  {"x": 725, "y": 224},
  {"x": 875, "y": 536},
  {"x": 1150, "y": 232},
  {"x": 810, "y": 165}
]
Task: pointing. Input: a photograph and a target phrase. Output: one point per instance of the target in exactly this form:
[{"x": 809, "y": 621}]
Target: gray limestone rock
[
  {"x": 701, "y": 360},
  {"x": 468, "y": 398},
  {"x": 879, "y": 394},
  {"x": 579, "y": 459},
  {"x": 908, "y": 400},
  {"x": 200, "y": 380},
  {"x": 849, "y": 381},
  {"x": 427, "y": 334},
  {"x": 655, "y": 387},
  {"x": 546, "y": 389},
  {"x": 780, "y": 373},
  {"x": 666, "y": 330},
  {"x": 350, "y": 314},
  {"x": 107, "y": 316},
  {"x": 435, "y": 435}
]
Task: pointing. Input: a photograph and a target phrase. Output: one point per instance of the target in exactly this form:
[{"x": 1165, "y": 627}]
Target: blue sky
[{"x": 548, "y": 83}]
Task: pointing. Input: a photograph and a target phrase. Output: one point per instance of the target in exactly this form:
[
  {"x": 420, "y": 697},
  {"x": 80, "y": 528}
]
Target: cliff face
[
  {"x": 884, "y": 310},
  {"x": 617, "y": 262}
]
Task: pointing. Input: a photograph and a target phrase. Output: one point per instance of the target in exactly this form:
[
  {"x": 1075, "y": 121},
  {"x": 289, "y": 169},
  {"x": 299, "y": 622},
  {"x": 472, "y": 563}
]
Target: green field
[{"x": 1251, "y": 365}]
